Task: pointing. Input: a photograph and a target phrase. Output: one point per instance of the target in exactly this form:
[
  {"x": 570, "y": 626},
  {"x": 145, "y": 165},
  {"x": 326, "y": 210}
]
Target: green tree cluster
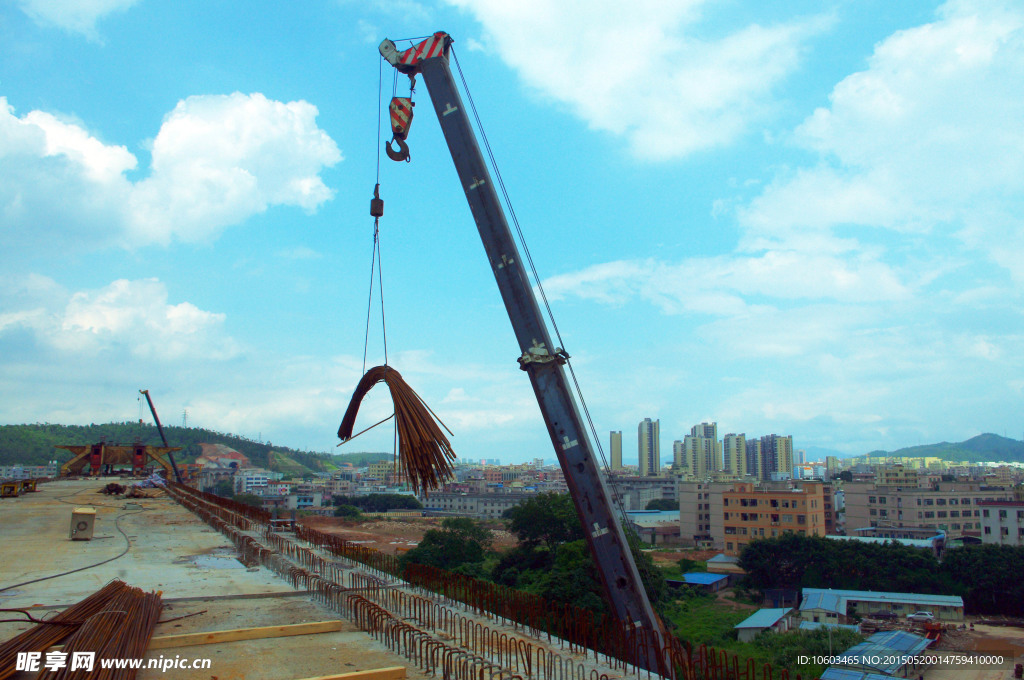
[
  {"x": 460, "y": 545},
  {"x": 553, "y": 559},
  {"x": 795, "y": 561},
  {"x": 662, "y": 504},
  {"x": 380, "y": 502},
  {"x": 986, "y": 576},
  {"x": 347, "y": 511}
]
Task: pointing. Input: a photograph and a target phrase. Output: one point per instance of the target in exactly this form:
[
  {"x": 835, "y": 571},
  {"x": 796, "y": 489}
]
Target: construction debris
[
  {"x": 112, "y": 489},
  {"x": 424, "y": 453}
]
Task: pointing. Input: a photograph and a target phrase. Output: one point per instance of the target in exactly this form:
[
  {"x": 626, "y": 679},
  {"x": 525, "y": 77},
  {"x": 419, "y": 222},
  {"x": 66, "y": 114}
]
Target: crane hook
[{"x": 399, "y": 154}]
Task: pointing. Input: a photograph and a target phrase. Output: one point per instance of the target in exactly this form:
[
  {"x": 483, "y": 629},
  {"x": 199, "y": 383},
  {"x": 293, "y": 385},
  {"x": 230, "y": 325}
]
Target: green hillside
[
  {"x": 34, "y": 445},
  {"x": 984, "y": 447}
]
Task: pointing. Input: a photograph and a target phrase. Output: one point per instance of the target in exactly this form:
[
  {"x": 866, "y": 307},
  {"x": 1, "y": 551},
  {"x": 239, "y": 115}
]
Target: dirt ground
[
  {"x": 393, "y": 536},
  {"x": 662, "y": 558}
]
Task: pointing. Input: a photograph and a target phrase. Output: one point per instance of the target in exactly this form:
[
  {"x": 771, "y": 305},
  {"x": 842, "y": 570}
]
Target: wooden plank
[
  {"x": 234, "y": 635},
  {"x": 394, "y": 673}
]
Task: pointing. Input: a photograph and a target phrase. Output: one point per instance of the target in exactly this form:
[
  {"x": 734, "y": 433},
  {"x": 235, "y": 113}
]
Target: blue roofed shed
[
  {"x": 778, "y": 620},
  {"x": 700, "y": 579}
]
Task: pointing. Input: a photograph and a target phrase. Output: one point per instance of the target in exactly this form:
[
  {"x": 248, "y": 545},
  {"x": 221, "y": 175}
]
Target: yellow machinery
[{"x": 10, "y": 489}]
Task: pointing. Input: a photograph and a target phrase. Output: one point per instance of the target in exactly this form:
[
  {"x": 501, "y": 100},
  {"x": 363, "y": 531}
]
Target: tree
[
  {"x": 553, "y": 559},
  {"x": 380, "y": 502},
  {"x": 224, "y": 488},
  {"x": 460, "y": 543},
  {"x": 988, "y": 577},
  {"x": 548, "y": 519},
  {"x": 663, "y": 504},
  {"x": 249, "y": 499},
  {"x": 347, "y": 511}
]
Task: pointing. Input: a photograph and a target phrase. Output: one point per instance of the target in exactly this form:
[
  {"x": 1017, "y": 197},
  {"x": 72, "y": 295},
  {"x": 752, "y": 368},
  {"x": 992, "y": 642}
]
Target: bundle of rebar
[
  {"x": 121, "y": 631},
  {"x": 43, "y": 635},
  {"x": 425, "y": 455}
]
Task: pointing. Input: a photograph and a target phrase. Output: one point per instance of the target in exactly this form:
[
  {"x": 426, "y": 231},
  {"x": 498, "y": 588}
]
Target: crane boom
[
  {"x": 539, "y": 357},
  {"x": 160, "y": 429}
]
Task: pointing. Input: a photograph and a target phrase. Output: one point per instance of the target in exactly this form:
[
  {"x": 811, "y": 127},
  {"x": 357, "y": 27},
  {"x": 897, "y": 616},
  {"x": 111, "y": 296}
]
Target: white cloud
[
  {"x": 219, "y": 159},
  {"x": 637, "y": 69},
  {"x": 74, "y": 16},
  {"x": 216, "y": 161},
  {"x": 720, "y": 285},
  {"x": 926, "y": 140},
  {"x": 125, "y": 318}
]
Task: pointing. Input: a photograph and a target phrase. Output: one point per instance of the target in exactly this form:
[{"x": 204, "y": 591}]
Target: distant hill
[
  {"x": 34, "y": 445},
  {"x": 984, "y": 447}
]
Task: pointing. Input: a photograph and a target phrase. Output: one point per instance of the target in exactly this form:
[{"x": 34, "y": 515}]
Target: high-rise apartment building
[
  {"x": 734, "y": 454},
  {"x": 710, "y": 446},
  {"x": 678, "y": 457},
  {"x": 755, "y": 462},
  {"x": 777, "y": 457},
  {"x": 616, "y": 449},
  {"x": 649, "y": 447}
]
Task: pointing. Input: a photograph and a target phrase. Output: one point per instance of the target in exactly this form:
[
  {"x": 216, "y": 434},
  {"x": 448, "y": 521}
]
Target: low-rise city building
[{"x": 1002, "y": 522}]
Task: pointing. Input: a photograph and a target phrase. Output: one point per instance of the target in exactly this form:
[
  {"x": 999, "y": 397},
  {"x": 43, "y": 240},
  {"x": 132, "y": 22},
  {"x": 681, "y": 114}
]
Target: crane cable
[
  {"x": 616, "y": 494},
  {"x": 375, "y": 259}
]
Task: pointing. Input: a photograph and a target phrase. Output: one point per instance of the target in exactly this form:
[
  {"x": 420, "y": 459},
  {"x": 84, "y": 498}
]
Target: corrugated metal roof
[
  {"x": 722, "y": 557},
  {"x": 912, "y": 542},
  {"x": 839, "y": 673},
  {"x": 815, "y": 625},
  {"x": 900, "y": 640},
  {"x": 822, "y": 599},
  {"x": 835, "y": 600},
  {"x": 703, "y": 578},
  {"x": 763, "y": 618}
]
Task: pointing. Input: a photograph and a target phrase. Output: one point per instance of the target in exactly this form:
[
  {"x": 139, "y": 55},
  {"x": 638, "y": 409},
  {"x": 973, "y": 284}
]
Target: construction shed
[
  {"x": 699, "y": 579},
  {"x": 846, "y": 606},
  {"x": 776, "y": 620}
]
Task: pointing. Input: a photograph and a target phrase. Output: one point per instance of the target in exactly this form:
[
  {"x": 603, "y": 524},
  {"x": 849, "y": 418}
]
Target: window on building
[
  {"x": 872, "y": 512},
  {"x": 988, "y": 530},
  {"x": 929, "y": 514},
  {"x": 942, "y": 513},
  {"x": 1002, "y": 514},
  {"x": 956, "y": 527},
  {"x": 883, "y": 512},
  {"x": 984, "y": 513},
  {"x": 953, "y": 501},
  {"x": 940, "y": 501},
  {"x": 954, "y": 513},
  {"x": 872, "y": 499},
  {"x": 929, "y": 501},
  {"x": 1004, "y": 531},
  {"x": 881, "y": 500},
  {"x": 965, "y": 501},
  {"x": 801, "y": 519}
]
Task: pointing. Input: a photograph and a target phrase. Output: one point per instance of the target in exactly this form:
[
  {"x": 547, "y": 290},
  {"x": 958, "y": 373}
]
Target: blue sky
[{"x": 796, "y": 218}]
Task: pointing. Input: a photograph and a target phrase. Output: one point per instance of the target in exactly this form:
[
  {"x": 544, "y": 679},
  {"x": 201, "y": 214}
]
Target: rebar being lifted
[{"x": 424, "y": 452}]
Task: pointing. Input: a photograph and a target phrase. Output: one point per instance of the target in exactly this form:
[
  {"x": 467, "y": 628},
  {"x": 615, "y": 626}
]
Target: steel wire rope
[
  {"x": 127, "y": 547},
  {"x": 616, "y": 503}
]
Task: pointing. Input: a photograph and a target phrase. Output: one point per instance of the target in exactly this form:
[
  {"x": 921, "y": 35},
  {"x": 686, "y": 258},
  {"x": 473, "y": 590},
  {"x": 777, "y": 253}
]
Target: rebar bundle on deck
[{"x": 424, "y": 453}]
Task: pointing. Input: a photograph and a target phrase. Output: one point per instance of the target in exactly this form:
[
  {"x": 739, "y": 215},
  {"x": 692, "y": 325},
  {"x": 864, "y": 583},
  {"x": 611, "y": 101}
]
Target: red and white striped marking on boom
[{"x": 428, "y": 49}]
